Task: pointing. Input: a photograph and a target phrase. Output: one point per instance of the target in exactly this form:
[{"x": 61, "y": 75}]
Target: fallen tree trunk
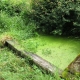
[{"x": 35, "y": 58}]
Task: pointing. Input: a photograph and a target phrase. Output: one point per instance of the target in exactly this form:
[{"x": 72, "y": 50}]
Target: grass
[{"x": 13, "y": 67}]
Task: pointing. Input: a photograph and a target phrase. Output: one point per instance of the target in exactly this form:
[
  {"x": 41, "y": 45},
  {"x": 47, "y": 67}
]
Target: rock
[{"x": 74, "y": 67}]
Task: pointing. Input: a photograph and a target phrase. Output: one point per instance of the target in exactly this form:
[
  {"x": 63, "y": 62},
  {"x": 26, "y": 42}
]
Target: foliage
[
  {"x": 60, "y": 15},
  {"x": 14, "y": 22},
  {"x": 15, "y": 68},
  {"x": 12, "y": 8},
  {"x": 30, "y": 45}
]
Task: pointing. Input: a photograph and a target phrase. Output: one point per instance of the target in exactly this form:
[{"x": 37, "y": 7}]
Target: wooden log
[{"x": 34, "y": 57}]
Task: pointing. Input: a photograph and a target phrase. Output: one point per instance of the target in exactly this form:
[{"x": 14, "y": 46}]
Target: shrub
[
  {"x": 3, "y": 21},
  {"x": 16, "y": 27},
  {"x": 14, "y": 19},
  {"x": 60, "y": 15},
  {"x": 12, "y": 8}
]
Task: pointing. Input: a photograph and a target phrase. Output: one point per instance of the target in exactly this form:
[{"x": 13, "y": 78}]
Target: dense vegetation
[
  {"x": 13, "y": 20},
  {"x": 15, "y": 24},
  {"x": 20, "y": 20},
  {"x": 60, "y": 17},
  {"x": 13, "y": 67}
]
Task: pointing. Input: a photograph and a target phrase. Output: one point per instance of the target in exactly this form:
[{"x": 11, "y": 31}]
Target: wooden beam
[{"x": 34, "y": 57}]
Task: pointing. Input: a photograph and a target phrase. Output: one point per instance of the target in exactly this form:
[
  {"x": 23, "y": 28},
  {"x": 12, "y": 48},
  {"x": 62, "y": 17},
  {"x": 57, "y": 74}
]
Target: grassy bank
[{"x": 13, "y": 67}]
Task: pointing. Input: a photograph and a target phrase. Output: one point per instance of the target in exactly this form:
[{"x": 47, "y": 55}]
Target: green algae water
[{"x": 59, "y": 51}]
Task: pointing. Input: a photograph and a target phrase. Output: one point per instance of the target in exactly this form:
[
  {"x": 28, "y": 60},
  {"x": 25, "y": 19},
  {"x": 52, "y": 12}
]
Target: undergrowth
[
  {"x": 13, "y": 67},
  {"x": 13, "y": 22},
  {"x": 15, "y": 26}
]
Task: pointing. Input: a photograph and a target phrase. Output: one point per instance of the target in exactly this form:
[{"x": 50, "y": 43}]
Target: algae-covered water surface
[{"x": 59, "y": 51}]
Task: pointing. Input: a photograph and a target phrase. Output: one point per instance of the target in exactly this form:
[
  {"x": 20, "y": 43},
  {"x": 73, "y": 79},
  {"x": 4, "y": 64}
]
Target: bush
[
  {"x": 4, "y": 22},
  {"x": 16, "y": 27},
  {"x": 14, "y": 19},
  {"x": 60, "y": 15},
  {"x": 7, "y": 22},
  {"x": 12, "y": 8}
]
